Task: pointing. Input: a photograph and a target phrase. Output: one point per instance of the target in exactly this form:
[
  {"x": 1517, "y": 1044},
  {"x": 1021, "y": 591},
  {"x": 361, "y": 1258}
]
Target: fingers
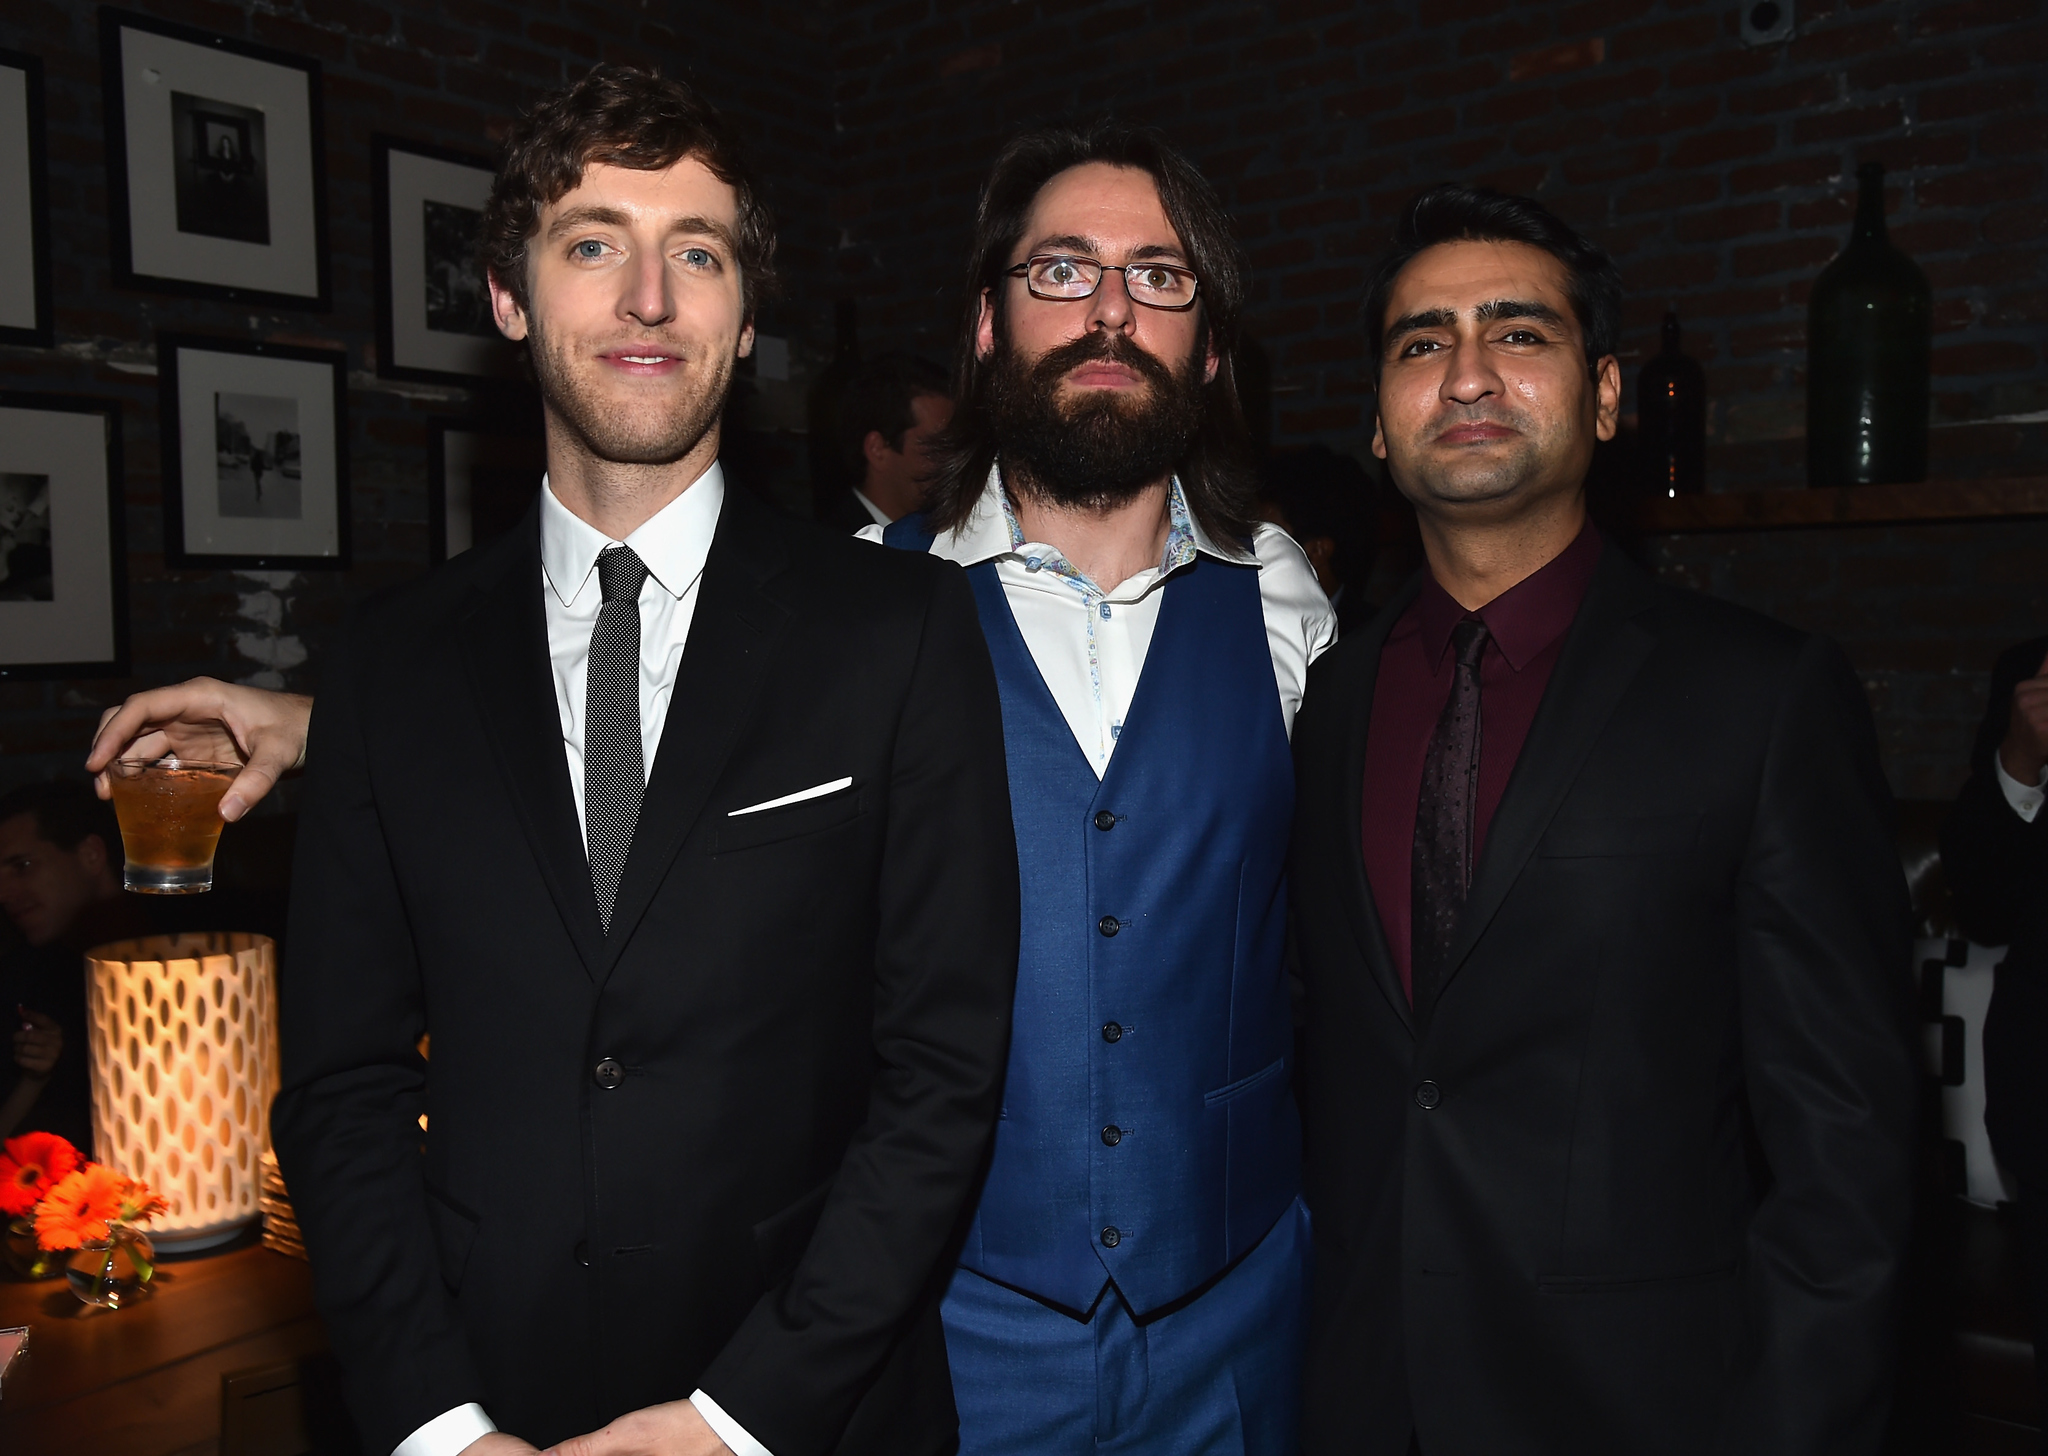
[
  {"x": 197, "y": 701},
  {"x": 39, "y": 1020},
  {"x": 257, "y": 778}
]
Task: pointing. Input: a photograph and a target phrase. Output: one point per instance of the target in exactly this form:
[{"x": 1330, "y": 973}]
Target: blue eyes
[
  {"x": 698, "y": 258},
  {"x": 589, "y": 248},
  {"x": 592, "y": 250}
]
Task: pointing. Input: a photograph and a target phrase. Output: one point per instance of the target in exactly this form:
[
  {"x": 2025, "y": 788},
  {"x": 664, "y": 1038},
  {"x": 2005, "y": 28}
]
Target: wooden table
[{"x": 147, "y": 1380}]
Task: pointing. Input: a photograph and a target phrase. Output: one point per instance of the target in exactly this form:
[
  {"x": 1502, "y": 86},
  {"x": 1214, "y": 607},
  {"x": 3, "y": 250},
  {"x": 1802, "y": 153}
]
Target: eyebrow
[
  {"x": 1499, "y": 308},
  {"x": 594, "y": 213},
  {"x": 1075, "y": 243}
]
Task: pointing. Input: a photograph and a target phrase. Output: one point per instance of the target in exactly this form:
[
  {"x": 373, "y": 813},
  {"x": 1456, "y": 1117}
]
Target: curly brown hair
[{"x": 621, "y": 116}]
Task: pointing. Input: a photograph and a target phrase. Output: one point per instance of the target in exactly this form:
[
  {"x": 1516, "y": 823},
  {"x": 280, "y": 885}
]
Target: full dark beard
[
  {"x": 1104, "y": 448},
  {"x": 624, "y": 435}
]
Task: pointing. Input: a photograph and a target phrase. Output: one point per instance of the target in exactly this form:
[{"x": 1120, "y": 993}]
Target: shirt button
[
  {"x": 1104, "y": 820},
  {"x": 1105, "y": 611},
  {"x": 583, "y": 1253},
  {"x": 1108, "y": 925},
  {"x": 1111, "y": 1237},
  {"x": 1111, "y": 1032},
  {"x": 1428, "y": 1095},
  {"x": 1112, "y": 1135},
  {"x": 1032, "y": 563},
  {"x": 609, "y": 1074}
]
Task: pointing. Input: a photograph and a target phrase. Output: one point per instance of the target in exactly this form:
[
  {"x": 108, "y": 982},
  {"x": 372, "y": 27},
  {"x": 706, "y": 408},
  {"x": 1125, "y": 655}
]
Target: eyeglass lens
[{"x": 1061, "y": 276}]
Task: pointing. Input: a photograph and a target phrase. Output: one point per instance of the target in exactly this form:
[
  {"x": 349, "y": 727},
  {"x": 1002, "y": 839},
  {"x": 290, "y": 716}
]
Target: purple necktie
[{"x": 1441, "y": 872}]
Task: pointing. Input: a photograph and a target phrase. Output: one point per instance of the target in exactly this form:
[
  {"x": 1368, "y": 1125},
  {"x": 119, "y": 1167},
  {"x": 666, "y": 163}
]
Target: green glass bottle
[
  {"x": 1671, "y": 419},
  {"x": 1868, "y": 333}
]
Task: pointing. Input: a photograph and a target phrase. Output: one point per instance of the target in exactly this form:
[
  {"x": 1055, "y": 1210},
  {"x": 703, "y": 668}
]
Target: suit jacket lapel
[
  {"x": 1359, "y": 908},
  {"x": 1602, "y": 654},
  {"x": 733, "y": 635},
  {"x": 504, "y": 646}
]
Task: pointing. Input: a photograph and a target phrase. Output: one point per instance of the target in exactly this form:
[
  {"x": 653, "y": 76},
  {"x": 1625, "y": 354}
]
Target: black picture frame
[
  {"x": 192, "y": 370},
  {"x": 218, "y": 164},
  {"x": 26, "y": 147},
  {"x": 465, "y": 506},
  {"x": 20, "y": 661},
  {"x": 412, "y": 343}
]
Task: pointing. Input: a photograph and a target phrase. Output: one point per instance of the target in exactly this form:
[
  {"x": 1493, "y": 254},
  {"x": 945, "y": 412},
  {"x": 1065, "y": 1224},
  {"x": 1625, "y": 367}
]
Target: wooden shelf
[{"x": 1855, "y": 505}]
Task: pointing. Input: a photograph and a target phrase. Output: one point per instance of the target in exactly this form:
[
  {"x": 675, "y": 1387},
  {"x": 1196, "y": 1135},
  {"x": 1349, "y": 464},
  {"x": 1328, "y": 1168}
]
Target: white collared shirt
[
  {"x": 881, "y": 517},
  {"x": 1090, "y": 645},
  {"x": 673, "y": 543},
  {"x": 2026, "y": 799}
]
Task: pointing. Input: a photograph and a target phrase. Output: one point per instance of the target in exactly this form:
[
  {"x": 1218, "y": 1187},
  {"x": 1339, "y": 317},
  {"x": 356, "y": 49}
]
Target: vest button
[
  {"x": 583, "y": 1253},
  {"x": 1111, "y": 1032},
  {"x": 1111, "y": 1237},
  {"x": 1428, "y": 1095},
  {"x": 1112, "y": 1135},
  {"x": 1108, "y": 925},
  {"x": 609, "y": 1074},
  {"x": 1104, "y": 820}
]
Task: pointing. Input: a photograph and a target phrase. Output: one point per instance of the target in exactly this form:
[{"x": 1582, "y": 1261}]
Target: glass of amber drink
[{"x": 169, "y": 810}]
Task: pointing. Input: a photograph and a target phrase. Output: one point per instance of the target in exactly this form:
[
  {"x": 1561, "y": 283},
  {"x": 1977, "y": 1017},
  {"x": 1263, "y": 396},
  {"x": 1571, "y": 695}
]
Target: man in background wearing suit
[
  {"x": 683, "y": 830},
  {"x": 1994, "y": 852},
  {"x": 883, "y": 425},
  {"x": 1609, "y": 1081}
]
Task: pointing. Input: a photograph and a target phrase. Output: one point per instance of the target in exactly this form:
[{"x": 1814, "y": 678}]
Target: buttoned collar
[
  {"x": 991, "y": 532},
  {"x": 1524, "y": 619},
  {"x": 673, "y": 542}
]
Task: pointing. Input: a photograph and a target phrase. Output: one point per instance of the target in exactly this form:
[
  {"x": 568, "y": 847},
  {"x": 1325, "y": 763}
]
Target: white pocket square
[{"x": 817, "y": 792}]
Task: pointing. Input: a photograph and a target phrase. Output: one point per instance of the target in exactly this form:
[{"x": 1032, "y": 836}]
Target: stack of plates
[{"x": 280, "y": 1227}]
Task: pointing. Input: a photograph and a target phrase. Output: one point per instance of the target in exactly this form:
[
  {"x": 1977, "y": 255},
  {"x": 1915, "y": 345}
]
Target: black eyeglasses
[{"x": 1067, "y": 278}]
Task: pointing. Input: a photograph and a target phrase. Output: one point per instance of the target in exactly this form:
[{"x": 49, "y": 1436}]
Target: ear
[
  {"x": 1607, "y": 407},
  {"x": 985, "y": 327},
  {"x": 876, "y": 447},
  {"x": 505, "y": 309},
  {"x": 1211, "y": 361},
  {"x": 1379, "y": 438},
  {"x": 746, "y": 340}
]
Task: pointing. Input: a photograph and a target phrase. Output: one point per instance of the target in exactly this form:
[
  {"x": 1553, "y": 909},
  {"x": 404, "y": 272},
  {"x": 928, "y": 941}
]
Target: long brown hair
[{"x": 1215, "y": 473}]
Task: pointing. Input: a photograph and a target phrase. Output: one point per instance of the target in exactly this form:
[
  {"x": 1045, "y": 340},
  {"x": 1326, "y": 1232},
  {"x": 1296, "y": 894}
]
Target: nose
[
  {"x": 646, "y": 298},
  {"x": 1110, "y": 307},
  {"x": 1469, "y": 375}
]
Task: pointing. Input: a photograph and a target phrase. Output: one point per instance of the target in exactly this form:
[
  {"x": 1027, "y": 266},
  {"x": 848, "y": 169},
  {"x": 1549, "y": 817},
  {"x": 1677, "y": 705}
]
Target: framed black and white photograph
[
  {"x": 433, "y": 308},
  {"x": 63, "y": 573},
  {"x": 254, "y": 453},
  {"x": 25, "y": 219},
  {"x": 480, "y": 480},
  {"x": 216, "y": 177}
]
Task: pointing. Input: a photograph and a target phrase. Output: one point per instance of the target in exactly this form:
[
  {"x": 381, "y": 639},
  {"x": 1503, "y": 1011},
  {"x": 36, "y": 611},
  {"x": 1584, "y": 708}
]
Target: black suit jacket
[
  {"x": 1644, "y": 1185},
  {"x": 1997, "y": 869},
  {"x": 809, "y": 1005},
  {"x": 848, "y": 514}
]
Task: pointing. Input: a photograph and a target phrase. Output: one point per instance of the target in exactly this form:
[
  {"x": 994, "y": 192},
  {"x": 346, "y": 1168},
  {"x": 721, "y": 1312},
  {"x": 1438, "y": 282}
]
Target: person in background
[
  {"x": 1994, "y": 854},
  {"x": 883, "y": 425},
  {"x": 1133, "y": 1278},
  {"x": 1610, "y": 1063},
  {"x": 60, "y": 885},
  {"x": 1324, "y": 501}
]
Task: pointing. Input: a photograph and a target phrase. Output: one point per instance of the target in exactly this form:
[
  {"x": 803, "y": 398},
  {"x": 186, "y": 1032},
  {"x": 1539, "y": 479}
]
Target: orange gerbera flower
[
  {"x": 77, "y": 1211},
  {"x": 30, "y": 1166}
]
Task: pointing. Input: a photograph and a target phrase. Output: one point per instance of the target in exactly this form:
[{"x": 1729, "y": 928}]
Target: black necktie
[
  {"x": 614, "y": 774},
  {"x": 1441, "y": 870}
]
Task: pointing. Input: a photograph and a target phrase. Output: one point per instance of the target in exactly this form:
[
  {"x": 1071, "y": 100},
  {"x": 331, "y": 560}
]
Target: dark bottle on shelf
[
  {"x": 1868, "y": 329},
  {"x": 1671, "y": 419}
]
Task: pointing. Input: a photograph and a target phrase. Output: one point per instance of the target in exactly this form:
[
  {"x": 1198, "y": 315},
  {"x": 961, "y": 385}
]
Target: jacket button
[
  {"x": 1104, "y": 820},
  {"x": 1111, "y": 1237},
  {"x": 609, "y": 1074},
  {"x": 1107, "y": 925},
  {"x": 1111, "y": 1032},
  {"x": 1112, "y": 1135},
  {"x": 1428, "y": 1095},
  {"x": 583, "y": 1253}
]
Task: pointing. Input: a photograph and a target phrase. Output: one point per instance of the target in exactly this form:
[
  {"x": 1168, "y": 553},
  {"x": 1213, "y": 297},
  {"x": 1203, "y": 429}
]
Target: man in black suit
[
  {"x": 1609, "y": 1077},
  {"x": 1994, "y": 852},
  {"x": 882, "y": 427},
  {"x": 683, "y": 831}
]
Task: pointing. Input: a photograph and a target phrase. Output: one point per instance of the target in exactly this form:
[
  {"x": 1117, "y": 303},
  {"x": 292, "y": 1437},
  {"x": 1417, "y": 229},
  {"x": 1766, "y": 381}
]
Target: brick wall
[{"x": 450, "y": 72}]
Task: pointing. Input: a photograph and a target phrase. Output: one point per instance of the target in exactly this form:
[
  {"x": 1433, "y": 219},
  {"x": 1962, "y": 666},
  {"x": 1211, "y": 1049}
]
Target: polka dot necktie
[
  {"x": 1441, "y": 870},
  {"x": 614, "y": 772}
]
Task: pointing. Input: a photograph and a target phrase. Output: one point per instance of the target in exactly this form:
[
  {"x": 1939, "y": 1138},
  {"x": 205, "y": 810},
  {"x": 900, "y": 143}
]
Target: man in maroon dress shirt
[{"x": 1608, "y": 1070}]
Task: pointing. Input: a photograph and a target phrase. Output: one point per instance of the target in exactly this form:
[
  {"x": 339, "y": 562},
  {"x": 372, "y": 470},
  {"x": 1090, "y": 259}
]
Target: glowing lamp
[{"x": 184, "y": 1062}]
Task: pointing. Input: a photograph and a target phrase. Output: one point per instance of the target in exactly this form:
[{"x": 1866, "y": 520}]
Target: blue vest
[{"x": 1148, "y": 1132}]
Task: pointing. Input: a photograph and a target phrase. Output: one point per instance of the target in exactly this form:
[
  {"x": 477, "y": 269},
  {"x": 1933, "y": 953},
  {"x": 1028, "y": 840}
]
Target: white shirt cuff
[
  {"x": 726, "y": 1428},
  {"x": 448, "y": 1433},
  {"x": 2026, "y": 802}
]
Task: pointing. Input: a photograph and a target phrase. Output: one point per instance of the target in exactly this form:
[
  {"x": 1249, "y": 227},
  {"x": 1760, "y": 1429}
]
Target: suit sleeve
[
  {"x": 346, "y": 1121},
  {"x": 945, "y": 971},
  {"x": 1824, "y": 956},
  {"x": 1995, "y": 861}
]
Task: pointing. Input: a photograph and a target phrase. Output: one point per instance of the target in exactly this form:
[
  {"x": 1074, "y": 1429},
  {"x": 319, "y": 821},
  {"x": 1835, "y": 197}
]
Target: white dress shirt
[
  {"x": 673, "y": 543},
  {"x": 1090, "y": 645},
  {"x": 881, "y": 517},
  {"x": 2025, "y": 799}
]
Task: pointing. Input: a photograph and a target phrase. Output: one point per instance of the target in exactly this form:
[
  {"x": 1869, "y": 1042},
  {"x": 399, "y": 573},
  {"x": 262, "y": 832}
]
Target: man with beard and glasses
[
  {"x": 1133, "y": 1277},
  {"x": 683, "y": 830},
  {"x": 1609, "y": 1074}
]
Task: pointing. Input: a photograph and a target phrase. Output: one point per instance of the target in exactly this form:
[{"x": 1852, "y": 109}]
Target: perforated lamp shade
[{"x": 184, "y": 1061}]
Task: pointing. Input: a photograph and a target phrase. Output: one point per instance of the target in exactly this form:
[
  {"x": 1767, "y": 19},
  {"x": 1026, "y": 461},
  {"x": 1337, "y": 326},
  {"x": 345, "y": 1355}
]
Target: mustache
[{"x": 1099, "y": 347}]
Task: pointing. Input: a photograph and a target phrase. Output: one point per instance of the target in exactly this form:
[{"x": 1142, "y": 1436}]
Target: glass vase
[
  {"x": 22, "y": 1258},
  {"x": 113, "y": 1271}
]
